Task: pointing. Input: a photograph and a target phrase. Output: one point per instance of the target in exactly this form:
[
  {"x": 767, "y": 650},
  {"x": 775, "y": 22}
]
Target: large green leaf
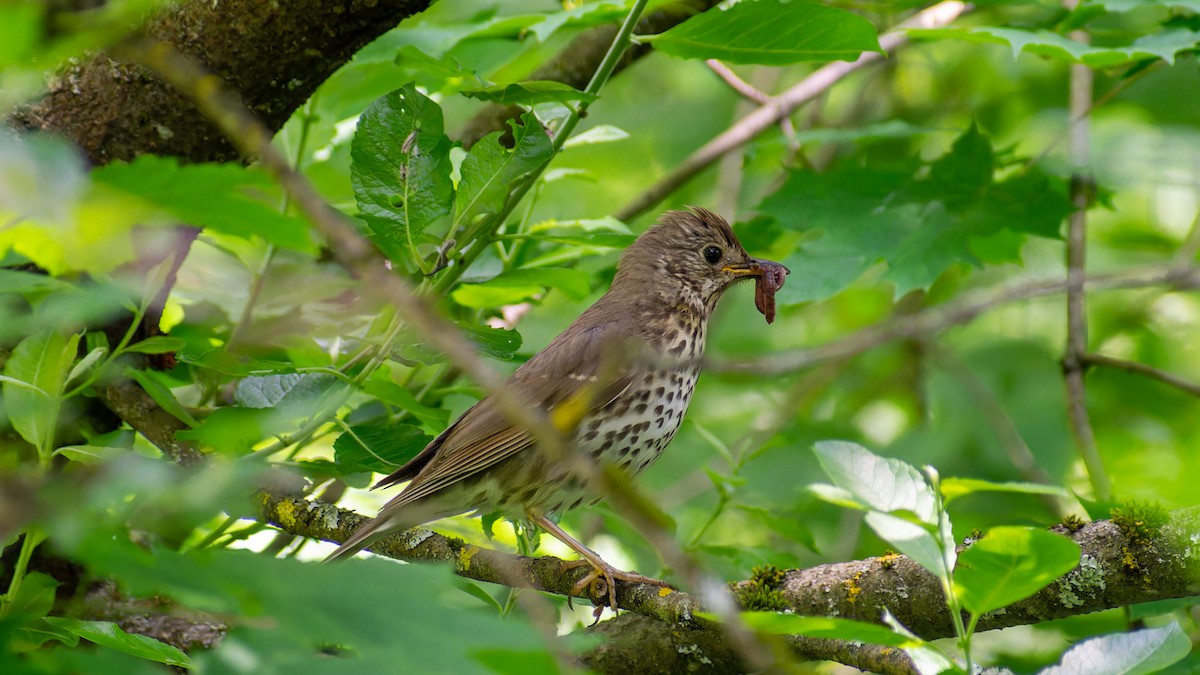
[
  {"x": 1011, "y": 564},
  {"x": 770, "y": 32},
  {"x": 490, "y": 171},
  {"x": 109, "y": 634},
  {"x": 229, "y": 197},
  {"x": 919, "y": 219},
  {"x": 1141, "y": 652},
  {"x": 33, "y": 384},
  {"x": 400, "y": 170},
  {"x": 520, "y": 285}
]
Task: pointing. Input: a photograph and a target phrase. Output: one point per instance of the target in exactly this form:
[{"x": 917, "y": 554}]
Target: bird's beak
[
  {"x": 757, "y": 269},
  {"x": 768, "y": 277}
]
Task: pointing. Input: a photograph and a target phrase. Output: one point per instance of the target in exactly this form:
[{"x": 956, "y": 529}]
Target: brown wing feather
[{"x": 483, "y": 436}]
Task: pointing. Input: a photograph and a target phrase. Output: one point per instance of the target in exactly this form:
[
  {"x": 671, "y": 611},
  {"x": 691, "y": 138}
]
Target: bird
[{"x": 626, "y": 367}]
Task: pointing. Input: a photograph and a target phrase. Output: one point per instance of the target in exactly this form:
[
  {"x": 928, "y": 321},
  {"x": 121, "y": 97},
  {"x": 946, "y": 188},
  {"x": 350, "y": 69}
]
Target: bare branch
[
  {"x": 780, "y": 107},
  {"x": 1142, "y": 369},
  {"x": 1081, "y": 82}
]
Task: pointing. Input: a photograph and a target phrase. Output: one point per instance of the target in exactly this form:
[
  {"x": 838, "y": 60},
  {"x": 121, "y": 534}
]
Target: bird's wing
[{"x": 484, "y": 436}]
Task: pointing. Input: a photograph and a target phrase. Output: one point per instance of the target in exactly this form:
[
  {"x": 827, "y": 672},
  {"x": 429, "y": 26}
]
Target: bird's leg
[{"x": 600, "y": 569}]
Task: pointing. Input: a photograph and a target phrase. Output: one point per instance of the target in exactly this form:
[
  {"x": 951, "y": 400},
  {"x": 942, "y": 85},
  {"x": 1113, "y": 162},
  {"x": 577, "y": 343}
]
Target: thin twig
[
  {"x": 1081, "y": 84},
  {"x": 782, "y": 106},
  {"x": 1093, "y": 359}
]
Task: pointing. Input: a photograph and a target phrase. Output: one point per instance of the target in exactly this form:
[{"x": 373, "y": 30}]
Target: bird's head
[{"x": 694, "y": 256}]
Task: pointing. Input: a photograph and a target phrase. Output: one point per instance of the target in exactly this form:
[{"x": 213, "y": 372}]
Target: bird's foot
[{"x": 601, "y": 583}]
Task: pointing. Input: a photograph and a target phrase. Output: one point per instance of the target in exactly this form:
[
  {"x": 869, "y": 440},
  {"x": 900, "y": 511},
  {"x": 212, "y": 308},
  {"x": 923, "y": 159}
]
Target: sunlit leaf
[
  {"x": 880, "y": 483},
  {"x": 520, "y": 285},
  {"x": 1150, "y": 650},
  {"x": 770, "y": 32},
  {"x": 825, "y": 627},
  {"x": 42, "y": 361},
  {"x": 1165, "y": 45},
  {"x": 953, "y": 488},
  {"x": 1011, "y": 564}
]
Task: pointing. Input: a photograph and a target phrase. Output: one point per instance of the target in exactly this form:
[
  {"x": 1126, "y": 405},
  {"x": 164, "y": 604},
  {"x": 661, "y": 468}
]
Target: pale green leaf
[
  {"x": 1011, "y": 564},
  {"x": 1136, "y": 653}
]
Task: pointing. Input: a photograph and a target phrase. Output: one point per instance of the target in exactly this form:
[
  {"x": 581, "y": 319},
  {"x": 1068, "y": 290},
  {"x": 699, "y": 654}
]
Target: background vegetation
[{"x": 992, "y": 230}]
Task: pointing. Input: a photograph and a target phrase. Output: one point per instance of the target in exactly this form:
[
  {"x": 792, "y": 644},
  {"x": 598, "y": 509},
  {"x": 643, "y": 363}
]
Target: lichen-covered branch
[{"x": 1120, "y": 566}]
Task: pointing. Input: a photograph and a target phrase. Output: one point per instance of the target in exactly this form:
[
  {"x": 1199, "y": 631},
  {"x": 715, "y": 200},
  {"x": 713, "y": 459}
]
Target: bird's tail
[{"x": 370, "y": 532}]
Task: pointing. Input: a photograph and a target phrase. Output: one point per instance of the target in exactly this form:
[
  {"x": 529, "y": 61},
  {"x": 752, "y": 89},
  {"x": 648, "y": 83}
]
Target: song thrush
[{"x": 634, "y": 354}]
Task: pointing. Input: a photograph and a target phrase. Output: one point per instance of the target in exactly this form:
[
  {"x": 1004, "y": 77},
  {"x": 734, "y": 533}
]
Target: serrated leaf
[
  {"x": 41, "y": 361},
  {"x": 918, "y": 220},
  {"x": 400, "y": 170},
  {"x": 379, "y": 448},
  {"x": 530, "y": 93},
  {"x": 227, "y": 197},
  {"x": 158, "y": 344},
  {"x": 490, "y": 171},
  {"x": 880, "y": 483},
  {"x": 520, "y": 285},
  {"x": 1011, "y": 564},
  {"x": 770, "y": 32},
  {"x": 109, "y": 634},
  {"x": 1164, "y": 45},
  {"x": 1134, "y": 653},
  {"x": 953, "y": 488}
]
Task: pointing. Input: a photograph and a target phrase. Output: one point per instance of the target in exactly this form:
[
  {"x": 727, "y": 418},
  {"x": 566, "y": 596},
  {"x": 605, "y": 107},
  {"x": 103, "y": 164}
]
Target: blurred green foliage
[{"x": 939, "y": 173}]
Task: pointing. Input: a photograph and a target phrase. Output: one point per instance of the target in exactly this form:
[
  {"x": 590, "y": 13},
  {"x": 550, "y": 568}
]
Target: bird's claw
[{"x": 601, "y": 584}]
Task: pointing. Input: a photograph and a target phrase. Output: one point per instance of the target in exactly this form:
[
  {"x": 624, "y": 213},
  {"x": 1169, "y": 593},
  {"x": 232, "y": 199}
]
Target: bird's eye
[{"x": 712, "y": 254}]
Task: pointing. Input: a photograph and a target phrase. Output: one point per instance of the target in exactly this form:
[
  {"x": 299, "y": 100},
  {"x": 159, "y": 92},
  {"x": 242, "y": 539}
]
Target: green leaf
[
  {"x": 520, "y": 285},
  {"x": 382, "y": 448},
  {"x": 90, "y": 454},
  {"x": 601, "y": 133},
  {"x": 490, "y": 171},
  {"x": 1136, "y": 653},
  {"x": 825, "y": 627},
  {"x": 85, "y": 364},
  {"x": 158, "y": 344},
  {"x": 878, "y": 483},
  {"x": 531, "y": 92},
  {"x": 269, "y": 391},
  {"x": 109, "y": 634},
  {"x": 40, "y": 363},
  {"x": 1011, "y": 564},
  {"x": 1164, "y": 45},
  {"x": 953, "y": 488},
  {"x": 913, "y": 540},
  {"x": 770, "y": 32},
  {"x": 162, "y": 396},
  {"x": 16, "y": 281},
  {"x": 227, "y": 197},
  {"x": 35, "y": 598},
  {"x": 920, "y": 220},
  {"x": 400, "y": 170},
  {"x": 496, "y": 343},
  {"x": 393, "y": 394}
]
